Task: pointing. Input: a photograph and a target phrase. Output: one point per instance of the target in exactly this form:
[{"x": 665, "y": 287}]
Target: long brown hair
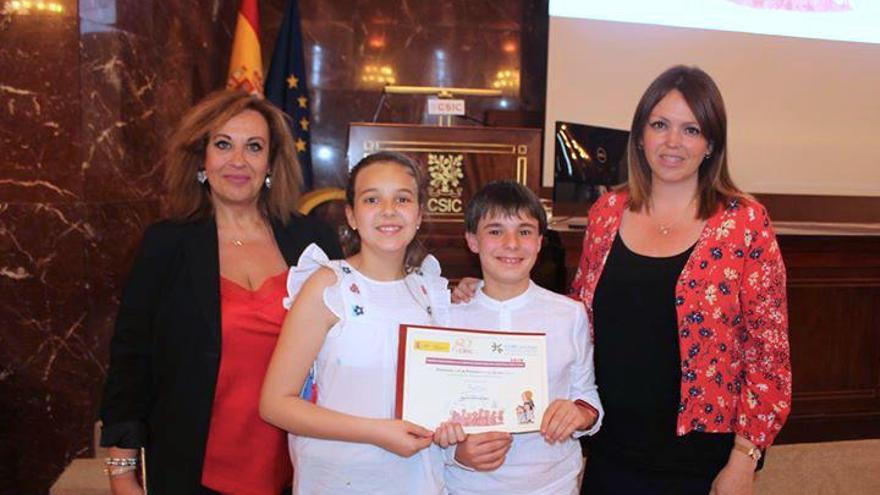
[
  {"x": 186, "y": 199},
  {"x": 351, "y": 241},
  {"x": 714, "y": 185}
]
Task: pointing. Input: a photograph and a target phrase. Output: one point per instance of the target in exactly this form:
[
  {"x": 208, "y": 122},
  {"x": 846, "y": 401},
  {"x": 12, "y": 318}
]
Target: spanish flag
[{"x": 245, "y": 64}]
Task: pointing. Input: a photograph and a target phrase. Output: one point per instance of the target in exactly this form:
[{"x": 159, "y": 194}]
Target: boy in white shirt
[{"x": 504, "y": 225}]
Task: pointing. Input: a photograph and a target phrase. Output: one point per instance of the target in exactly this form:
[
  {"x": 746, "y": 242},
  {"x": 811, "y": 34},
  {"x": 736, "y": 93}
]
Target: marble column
[{"x": 86, "y": 98}]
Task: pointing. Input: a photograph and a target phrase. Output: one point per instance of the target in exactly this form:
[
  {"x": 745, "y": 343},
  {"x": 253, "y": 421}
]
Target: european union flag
[{"x": 286, "y": 86}]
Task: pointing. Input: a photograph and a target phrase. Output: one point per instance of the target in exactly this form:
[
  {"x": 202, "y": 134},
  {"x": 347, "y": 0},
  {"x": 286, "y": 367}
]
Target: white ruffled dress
[{"x": 356, "y": 373}]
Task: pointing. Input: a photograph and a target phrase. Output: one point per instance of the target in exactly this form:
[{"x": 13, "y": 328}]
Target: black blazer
[{"x": 165, "y": 352}]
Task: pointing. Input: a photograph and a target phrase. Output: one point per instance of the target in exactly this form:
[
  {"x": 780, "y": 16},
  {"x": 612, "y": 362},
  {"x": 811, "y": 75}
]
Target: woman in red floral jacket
[{"x": 685, "y": 287}]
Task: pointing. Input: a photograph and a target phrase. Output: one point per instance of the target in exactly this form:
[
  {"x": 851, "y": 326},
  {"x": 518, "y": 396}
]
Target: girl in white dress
[{"x": 344, "y": 317}]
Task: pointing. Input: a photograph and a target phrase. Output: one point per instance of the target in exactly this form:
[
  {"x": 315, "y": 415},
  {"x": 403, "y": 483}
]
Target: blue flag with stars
[{"x": 286, "y": 86}]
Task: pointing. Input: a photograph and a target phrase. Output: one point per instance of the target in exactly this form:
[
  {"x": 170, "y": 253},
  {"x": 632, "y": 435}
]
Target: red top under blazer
[{"x": 245, "y": 455}]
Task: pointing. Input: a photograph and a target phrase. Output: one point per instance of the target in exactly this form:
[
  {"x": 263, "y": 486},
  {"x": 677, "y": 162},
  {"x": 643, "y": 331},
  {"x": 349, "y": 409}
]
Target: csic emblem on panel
[
  {"x": 450, "y": 167},
  {"x": 444, "y": 187}
]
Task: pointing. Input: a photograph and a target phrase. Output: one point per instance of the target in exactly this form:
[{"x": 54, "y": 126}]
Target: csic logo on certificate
[{"x": 484, "y": 380}]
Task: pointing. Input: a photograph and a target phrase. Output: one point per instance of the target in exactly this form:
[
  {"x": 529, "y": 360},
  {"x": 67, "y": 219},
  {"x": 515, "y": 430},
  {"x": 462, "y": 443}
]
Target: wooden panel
[
  {"x": 481, "y": 154},
  {"x": 836, "y": 331},
  {"x": 834, "y": 326}
]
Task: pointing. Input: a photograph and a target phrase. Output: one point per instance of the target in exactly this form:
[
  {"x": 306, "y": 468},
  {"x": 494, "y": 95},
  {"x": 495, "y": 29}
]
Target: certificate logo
[
  {"x": 463, "y": 345},
  {"x": 431, "y": 346}
]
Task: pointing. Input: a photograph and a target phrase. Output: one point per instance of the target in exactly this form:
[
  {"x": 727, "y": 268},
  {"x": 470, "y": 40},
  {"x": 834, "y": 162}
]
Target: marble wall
[{"x": 86, "y": 98}]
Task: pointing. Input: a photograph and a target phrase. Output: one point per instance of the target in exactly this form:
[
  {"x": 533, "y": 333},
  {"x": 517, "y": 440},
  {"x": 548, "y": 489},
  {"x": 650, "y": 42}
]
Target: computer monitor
[{"x": 588, "y": 161}]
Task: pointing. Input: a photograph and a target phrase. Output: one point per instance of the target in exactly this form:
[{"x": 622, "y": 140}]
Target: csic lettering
[{"x": 444, "y": 205}]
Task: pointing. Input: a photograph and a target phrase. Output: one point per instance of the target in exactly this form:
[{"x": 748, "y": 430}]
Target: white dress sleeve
[
  {"x": 431, "y": 290},
  {"x": 311, "y": 259}
]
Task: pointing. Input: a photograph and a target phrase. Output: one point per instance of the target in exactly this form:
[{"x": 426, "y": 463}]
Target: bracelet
[
  {"x": 121, "y": 461},
  {"x": 752, "y": 452},
  {"x": 114, "y": 471}
]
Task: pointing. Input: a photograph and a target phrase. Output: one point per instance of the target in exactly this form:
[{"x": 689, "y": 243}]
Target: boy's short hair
[{"x": 507, "y": 197}]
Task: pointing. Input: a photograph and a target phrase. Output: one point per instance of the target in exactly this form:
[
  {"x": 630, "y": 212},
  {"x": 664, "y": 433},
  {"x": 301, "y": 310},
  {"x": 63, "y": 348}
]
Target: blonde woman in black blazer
[{"x": 232, "y": 183}]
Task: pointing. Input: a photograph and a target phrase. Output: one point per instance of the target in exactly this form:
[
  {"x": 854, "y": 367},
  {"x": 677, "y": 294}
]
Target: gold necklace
[
  {"x": 243, "y": 237},
  {"x": 666, "y": 228}
]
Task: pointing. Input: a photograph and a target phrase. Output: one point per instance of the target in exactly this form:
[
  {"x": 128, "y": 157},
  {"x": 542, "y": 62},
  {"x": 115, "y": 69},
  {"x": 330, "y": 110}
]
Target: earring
[
  {"x": 201, "y": 176},
  {"x": 268, "y": 181},
  {"x": 708, "y": 154}
]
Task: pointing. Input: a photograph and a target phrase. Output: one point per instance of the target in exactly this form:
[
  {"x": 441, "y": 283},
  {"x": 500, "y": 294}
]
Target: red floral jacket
[{"x": 732, "y": 318}]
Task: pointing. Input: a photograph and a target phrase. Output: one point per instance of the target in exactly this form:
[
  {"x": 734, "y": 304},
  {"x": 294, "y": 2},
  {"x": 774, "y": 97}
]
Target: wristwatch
[{"x": 753, "y": 452}]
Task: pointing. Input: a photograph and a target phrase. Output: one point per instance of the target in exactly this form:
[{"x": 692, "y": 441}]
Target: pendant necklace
[{"x": 666, "y": 228}]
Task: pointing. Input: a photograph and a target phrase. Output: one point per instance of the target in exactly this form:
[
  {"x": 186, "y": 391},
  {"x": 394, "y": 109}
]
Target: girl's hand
[
  {"x": 465, "y": 290},
  {"x": 402, "y": 437},
  {"x": 564, "y": 417},
  {"x": 449, "y": 433},
  {"x": 484, "y": 451},
  {"x": 737, "y": 477}
]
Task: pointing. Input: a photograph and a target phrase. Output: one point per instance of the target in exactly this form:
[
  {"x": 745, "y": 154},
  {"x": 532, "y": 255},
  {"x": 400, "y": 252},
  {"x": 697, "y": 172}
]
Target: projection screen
[{"x": 800, "y": 78}]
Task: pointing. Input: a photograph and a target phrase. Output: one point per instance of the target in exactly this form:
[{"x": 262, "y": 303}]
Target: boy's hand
[
  {"x": 449, "y": 433},
  {"x": 465, "y": 290},
  {"x": 564, "y": 417},
  {"x": 402, "y": 437},
  {"x": 484, "y": 451}
]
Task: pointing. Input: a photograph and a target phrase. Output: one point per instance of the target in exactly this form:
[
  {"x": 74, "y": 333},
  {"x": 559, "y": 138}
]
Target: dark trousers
[{"x": 604, "y": 476}]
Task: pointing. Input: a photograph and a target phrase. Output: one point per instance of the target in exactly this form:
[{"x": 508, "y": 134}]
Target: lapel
[
  {"x": 290, "y": 243},
  {"x": 203, "y": 258},
  {"x": 204, "y": 261},
  {"x": 601, "y": 236}
]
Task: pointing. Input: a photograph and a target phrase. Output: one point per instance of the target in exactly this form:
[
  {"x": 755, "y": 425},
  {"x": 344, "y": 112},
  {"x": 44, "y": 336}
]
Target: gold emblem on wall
[{"x": 444, "y": 188}]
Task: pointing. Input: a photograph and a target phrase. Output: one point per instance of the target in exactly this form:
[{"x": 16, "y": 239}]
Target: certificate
[{"x": 486, "y": 381}]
